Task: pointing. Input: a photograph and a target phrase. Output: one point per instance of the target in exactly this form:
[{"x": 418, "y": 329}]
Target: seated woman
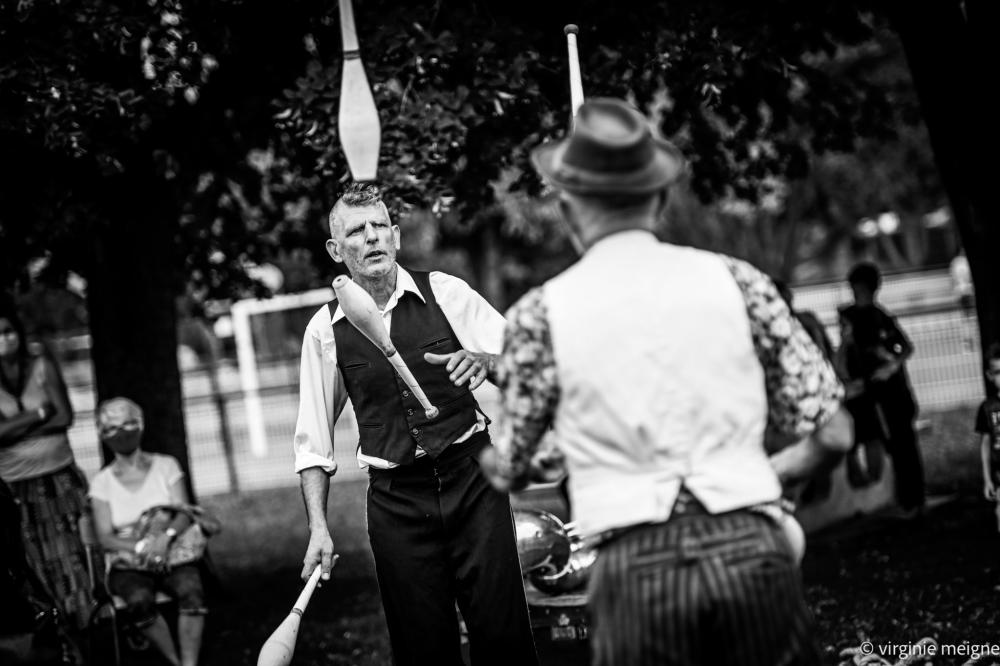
[{"x": 121, "y": 492}]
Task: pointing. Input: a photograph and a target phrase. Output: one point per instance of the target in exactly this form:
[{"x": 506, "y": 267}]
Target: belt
[
  {"x": 427, "y": 466},
  {"x": 686, "y": 504}
]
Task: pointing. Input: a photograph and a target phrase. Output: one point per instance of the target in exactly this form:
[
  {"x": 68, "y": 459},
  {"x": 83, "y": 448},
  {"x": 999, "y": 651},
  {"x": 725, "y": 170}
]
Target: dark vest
[{"x": 391, "y": 422}]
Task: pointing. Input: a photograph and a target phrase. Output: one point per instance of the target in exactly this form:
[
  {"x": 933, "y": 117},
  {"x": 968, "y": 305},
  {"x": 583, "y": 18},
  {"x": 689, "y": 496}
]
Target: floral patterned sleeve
[
  {"x": 529, "y": 391},
  {"x": 803, "y": 391}
]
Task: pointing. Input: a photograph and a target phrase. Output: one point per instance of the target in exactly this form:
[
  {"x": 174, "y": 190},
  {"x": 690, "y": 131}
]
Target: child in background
[{"x": 988, "y": 425}]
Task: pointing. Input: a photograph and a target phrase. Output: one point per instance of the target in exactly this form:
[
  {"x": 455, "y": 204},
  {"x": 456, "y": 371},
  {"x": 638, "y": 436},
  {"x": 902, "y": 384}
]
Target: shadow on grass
[{"x": 259, "y": 558}]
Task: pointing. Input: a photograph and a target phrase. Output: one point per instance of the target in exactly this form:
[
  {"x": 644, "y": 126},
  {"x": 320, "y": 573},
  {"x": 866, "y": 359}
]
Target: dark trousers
[
  {"x": 441, "y": 534},
  {"x": 700, "y": 590},
  {"x": 900, "y": 410}
]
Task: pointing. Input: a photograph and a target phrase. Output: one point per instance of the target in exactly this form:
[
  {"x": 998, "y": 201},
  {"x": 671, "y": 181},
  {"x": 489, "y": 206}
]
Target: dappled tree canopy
[
  {"x": 236, "y": 105},
  {"x": 164, "y": 146}
]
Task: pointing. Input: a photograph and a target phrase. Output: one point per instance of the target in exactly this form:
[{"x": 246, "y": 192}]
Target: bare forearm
[
  {"x": 112, "y": 542},
  {"x": 984, "y": 454},
  {"x": 315, "y": 492},
  {"x": 823, "y": 449},
  {"x": 13, "y": 429},
  {"x": 180, "y": 522},
  {"x": 56, "y": 425},
  {"x": 491, "y": 367}
]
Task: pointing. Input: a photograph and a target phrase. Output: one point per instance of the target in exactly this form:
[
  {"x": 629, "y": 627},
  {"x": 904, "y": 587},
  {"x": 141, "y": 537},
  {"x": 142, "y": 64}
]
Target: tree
[
  {"x": 109, "y": 109},
  {"x": 946, "y": 44}
]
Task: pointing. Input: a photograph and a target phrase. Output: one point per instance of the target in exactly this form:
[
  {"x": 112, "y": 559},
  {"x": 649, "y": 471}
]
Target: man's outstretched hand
[{"x": 464, "y": 366}]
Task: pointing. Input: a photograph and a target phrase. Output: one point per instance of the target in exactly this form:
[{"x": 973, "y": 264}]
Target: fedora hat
[{"x": 610, "y": 151}]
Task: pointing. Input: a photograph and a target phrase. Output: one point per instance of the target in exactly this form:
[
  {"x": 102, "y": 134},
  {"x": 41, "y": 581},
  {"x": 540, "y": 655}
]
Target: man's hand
[
  {"x": 464, "y": 366},
  {"x": 817, "y": 452},
  {"x": 488, "y": 466},
  {"x": 989, "y": 491},
  {"x": 854, "y": 388},
  {"x": 319, "y": 553},
  {"x": 548, "y": 465}
]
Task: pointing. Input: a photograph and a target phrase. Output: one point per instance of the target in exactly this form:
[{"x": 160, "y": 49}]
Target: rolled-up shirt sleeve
[
  {"x": 321, "y": 398},
  {"x": 529, "y": 388},
  {"x": 803, "y": 391}
]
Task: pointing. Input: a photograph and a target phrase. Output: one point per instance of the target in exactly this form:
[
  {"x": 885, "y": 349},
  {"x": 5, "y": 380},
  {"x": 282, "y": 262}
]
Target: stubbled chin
[{"x": 376, "y": 267}]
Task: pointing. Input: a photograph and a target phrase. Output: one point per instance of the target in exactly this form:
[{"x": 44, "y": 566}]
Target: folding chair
[{"x": 105, "y": 605}]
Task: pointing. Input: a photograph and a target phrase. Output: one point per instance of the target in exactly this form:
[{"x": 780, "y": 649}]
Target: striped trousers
[{"x": 700, "y": 589}]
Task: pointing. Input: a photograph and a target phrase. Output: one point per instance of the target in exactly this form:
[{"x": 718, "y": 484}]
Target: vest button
[
  {"x": 415, "y": 431},
  {"x": 409, "y": 412},
  {"x": 406, "y": 394}
]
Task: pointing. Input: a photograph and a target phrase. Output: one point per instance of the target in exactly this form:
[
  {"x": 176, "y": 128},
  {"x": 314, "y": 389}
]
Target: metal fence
[{"x": 945, "y": 372}]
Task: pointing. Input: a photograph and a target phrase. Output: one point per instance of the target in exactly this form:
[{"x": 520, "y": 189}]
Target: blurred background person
[
  {"x": 122, "y": 492},
  {"x": 876, "y": 350},
  {"x": 865, "y": 460},
  {"x": 988, "y": 427},
  {"x": 961, "y": 281},
  {"x": 29, "y": 632},
  {"x": 37, "y": 463}
]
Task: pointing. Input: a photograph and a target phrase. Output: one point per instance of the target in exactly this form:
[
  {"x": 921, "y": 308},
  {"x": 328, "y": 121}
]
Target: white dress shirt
[{"x": 322, "y": 394}]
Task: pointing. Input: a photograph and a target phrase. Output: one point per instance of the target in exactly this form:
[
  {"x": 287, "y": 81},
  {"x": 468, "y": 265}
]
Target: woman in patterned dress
[{"x": 37, "y": 463}]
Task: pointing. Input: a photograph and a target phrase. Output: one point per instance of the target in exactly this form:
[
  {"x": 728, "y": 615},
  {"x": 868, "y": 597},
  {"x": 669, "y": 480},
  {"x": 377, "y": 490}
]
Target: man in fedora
[{"x": 659, "y": 366}]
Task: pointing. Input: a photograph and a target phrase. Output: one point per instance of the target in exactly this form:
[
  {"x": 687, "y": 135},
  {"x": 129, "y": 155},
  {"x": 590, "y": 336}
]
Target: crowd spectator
[
  {"x": 37, "y": 463},
  {"x": 988, "y": 427},
  {"x": 875, "y": 352},
  {"x": 141, "y": 559}
]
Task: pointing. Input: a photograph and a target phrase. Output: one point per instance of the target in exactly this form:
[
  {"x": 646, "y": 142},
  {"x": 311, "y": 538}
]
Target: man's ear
[
  {"x": 333, "y": 249},
  {"x": 662, "y": 198},
  {"x": 395, "y": 235}
]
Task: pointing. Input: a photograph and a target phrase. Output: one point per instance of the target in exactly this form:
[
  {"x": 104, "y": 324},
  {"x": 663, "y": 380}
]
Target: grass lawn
[
  {"x": 259, "y": 558},
  {"x": 875, "y": 579}
]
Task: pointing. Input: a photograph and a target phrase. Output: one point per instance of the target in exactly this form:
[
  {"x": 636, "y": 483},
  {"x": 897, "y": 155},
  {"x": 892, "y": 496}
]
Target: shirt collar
[
  {"x": 626, "y": 238},
  {"x": 404, "y": 283}
]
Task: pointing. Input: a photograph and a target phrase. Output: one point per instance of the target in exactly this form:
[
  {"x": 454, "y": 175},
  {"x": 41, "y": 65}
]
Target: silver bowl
[
  {"x": 572, "y": 578},
  {"x": 542, "y": 542}
]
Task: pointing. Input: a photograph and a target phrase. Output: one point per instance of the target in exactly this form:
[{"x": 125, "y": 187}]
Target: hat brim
[{"x": 665, "y": 168}]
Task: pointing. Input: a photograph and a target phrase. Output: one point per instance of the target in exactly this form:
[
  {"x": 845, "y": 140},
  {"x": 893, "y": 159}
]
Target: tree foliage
[
  {"x": 213, "y": 123},
  {"x": 751, "y": 93}
]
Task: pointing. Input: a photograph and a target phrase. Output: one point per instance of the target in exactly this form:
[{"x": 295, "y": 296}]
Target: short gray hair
[
  {"x": 116, "y": 411},
  {"x": 357, "y": 195}
]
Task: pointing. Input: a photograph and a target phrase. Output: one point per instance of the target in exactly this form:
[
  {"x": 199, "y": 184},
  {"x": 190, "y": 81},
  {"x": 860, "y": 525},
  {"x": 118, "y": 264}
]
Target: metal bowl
[
  {"x": 572, "y": 577},
  {"x": 542, "y": 542}
]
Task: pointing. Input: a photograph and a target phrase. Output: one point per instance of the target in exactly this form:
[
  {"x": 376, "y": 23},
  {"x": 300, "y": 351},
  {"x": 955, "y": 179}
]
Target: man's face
[
  {"x": 365, "y": 241},
  {"x": 993, "y": 373}
]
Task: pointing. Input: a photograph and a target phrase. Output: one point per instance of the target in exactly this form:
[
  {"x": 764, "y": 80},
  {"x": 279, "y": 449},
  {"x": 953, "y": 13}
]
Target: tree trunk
[
  {"x": 131, "y": 298},
  {"x": 946, "y": 50},
  {"x": 489, "y": 266}
]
